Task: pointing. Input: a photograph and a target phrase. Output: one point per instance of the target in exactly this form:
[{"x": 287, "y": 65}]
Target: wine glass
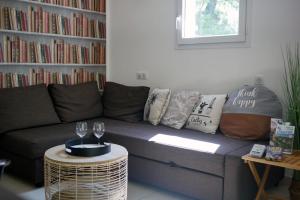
[
  {"x": 81, "y": 129},
  {"x": 98, "y": 130}
]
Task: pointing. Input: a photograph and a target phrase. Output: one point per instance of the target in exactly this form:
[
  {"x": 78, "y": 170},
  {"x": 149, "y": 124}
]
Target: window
[{"x": 211, "y": 21}]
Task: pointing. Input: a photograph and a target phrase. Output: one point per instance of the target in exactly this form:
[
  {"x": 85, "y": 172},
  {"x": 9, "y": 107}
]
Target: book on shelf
[
  {"x": 93, "y": 5},
  {"x": 42, "y": 76},
  {"x": 18, "y": 50},
  {"x": 41, "y": 21},
  {"x": 1, "y": 54}
]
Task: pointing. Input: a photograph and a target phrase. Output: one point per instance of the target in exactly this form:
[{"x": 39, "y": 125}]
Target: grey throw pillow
[
  {"x": 76, "y": 102},
  {"x": 156, "y": 105},
  {"x": 180, "y": 107},
  {"x": 26, "y": 107}
]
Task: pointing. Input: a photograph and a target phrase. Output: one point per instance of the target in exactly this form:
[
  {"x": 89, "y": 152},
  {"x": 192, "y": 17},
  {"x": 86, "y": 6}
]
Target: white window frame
[{"x": 240, "y": 38}]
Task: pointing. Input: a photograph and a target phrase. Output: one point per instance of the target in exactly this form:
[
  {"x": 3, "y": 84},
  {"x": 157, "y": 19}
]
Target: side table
[
  {"x": 73, "y": 177},
  {"x": 288, "y": 162}
]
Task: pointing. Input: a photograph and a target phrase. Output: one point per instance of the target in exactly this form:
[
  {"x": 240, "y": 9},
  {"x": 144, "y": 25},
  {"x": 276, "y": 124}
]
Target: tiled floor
[{"x": 136, "y": 191}]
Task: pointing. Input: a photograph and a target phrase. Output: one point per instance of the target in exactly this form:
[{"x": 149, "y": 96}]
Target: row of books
[
  {"x": 43, "y": 76},
  {"x": 94, "y": 5},
  {"x": 13, "y": 19},
  {"x": 17, "y": 50},
  {"x": 84, "y": 27},
  {"x": 40, "y": 21}
]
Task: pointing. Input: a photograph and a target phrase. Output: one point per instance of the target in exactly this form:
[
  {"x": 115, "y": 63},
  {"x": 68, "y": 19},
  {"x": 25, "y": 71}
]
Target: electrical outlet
[
  {"x": 141, "y": 76},
  {"x": 138, "y": 76},
  {"x": 259, "y": 79}
]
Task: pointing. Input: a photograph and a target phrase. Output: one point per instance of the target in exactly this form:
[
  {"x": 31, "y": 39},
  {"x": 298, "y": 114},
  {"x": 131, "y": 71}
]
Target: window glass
[{"x": 211, "y": 21}]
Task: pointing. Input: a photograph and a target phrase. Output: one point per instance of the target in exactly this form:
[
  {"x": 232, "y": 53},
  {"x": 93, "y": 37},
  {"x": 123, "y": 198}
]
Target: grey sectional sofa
[
  {"x": 31, "y": 123},
  {"x": 200, "y": 175}
]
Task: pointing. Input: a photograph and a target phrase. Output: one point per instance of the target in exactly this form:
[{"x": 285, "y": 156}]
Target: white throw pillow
[
  {"x": 206, "y": 115},
  {"x": 180, "y": 107},
  {"x": 156, "y": 105}
]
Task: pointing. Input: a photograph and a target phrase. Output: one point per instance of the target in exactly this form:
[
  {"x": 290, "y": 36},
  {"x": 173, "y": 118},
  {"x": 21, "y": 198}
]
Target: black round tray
[{"x": 86, "y": 152}]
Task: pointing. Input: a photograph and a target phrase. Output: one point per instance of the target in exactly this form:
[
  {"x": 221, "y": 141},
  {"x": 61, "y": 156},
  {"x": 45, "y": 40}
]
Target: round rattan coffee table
[{"x": 99, "y": 177}]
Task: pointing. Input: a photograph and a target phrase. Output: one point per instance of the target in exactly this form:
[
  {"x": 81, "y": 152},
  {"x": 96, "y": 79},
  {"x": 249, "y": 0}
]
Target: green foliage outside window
[{"x": 213, "y": 16}]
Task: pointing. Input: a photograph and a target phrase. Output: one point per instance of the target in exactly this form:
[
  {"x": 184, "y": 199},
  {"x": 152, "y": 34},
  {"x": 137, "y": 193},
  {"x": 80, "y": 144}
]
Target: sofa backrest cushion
[
  {"x": 180, "y": 107},
  {"x": 26, "y": 107},
  {"x": 76, "y": 102},
  {"x": 124, "y": 102}
]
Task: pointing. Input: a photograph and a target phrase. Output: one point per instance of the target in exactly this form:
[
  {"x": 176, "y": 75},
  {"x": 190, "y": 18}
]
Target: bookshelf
[{"x": 62, "y": 38}]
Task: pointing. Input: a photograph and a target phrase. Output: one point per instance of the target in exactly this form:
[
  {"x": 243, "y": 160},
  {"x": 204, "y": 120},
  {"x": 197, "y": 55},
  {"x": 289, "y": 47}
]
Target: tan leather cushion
[{"x": 245, "y": 126}]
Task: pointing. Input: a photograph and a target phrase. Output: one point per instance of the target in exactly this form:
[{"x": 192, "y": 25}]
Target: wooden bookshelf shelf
[
  {"x": 51, "y": 35},
  {"x": 62, "y": 7},
  {"x": 51, "y": 65}
]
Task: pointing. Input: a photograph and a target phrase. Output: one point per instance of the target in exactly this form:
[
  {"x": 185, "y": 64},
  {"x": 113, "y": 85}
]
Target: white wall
[{"x": 142, "y": 38}]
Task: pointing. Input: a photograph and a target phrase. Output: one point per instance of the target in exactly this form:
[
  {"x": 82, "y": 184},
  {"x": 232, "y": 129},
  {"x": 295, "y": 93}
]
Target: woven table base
[{"x": 86, "y": 181}]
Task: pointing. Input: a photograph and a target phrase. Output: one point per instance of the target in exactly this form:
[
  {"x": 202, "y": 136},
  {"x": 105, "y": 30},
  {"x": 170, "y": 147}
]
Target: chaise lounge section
[{"x": 195, "y": 173}]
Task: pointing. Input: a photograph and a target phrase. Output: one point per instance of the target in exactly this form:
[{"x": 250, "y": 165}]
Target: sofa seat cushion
[
  {"x": 186, "y": 148},
  {"x": 32, "y": 143}
]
